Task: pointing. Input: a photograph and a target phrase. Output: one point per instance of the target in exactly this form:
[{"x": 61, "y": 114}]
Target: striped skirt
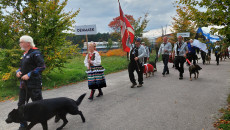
[{"x": 96, "y": 77}]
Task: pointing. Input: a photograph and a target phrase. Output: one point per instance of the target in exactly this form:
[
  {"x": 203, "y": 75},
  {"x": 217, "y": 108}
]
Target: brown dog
[
  {"x": 194, "y": 69},
  {"x": 207, "y": 59}
]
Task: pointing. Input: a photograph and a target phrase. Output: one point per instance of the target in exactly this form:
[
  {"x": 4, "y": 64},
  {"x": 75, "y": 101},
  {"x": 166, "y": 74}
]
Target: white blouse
[{"x": 95, "y": 62}]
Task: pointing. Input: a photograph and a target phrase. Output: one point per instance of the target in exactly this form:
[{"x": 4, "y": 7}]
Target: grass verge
[
  {"x": 224, "y": 122},
  {"x": 73, "y": 72}
]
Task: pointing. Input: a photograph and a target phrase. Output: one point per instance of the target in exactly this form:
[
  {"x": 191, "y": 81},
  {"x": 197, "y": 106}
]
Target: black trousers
[
  {"x": 165, "y": 59},
  {"x": 179, "y": 63},
  {"x": 203, "y": 55},
  {"x": 217, "y": 57},
  {"x": 209, "y": 52},
  {"x": 192, "y": 58},
  {"x": 34, "y": 94},
  {"x": 133, "y": 66},
  {"x": 145, "y": 59}
]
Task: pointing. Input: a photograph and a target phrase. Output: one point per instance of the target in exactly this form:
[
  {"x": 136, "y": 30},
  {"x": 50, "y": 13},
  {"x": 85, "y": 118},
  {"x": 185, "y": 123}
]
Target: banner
[
  {"x": 86, "y": 30},
  {"x": 184, "y": 34},
  {"x": 126, "y": 30},
  {"x": 200, "y": 45}
]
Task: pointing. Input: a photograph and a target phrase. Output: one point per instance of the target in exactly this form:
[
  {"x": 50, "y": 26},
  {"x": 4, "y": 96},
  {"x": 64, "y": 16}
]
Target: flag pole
[
  {"x": 86, "y": 37},
  {"x": 128, "y": 34}
]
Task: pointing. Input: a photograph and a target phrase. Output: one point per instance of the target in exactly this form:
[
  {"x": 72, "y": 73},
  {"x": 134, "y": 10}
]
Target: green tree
[
  {"x": 115, "y": 36},
  {"x": 182, "y": 23},
  {"x": 216, "y": 13},
  {"x": 110, "y": 43},
  {"x": 139, "y": 25},
  {"x": 47, "y": 23},
  {"x": 7, "y": 32},
  {"x": 146, "y": 40}
]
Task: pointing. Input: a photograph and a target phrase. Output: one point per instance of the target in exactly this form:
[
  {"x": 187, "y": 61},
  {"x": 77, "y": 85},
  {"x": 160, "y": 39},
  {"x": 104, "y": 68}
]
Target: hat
[{"x": 138, "y": 39}]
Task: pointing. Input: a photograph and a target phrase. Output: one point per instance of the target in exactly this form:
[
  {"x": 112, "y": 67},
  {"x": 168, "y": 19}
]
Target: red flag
[{"x": 126, "y": 30}]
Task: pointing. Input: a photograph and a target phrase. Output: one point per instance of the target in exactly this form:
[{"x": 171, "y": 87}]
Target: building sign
[
  {"x": 86, "y": 30},
  {"x": 184, "y": 34}
]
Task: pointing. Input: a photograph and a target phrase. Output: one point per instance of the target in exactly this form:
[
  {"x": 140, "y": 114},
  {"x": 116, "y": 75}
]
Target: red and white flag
[{"x": 126, "y": 30}]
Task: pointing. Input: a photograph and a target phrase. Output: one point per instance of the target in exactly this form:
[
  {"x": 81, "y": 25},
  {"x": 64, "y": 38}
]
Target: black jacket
[{"x": 32, "y": 63}]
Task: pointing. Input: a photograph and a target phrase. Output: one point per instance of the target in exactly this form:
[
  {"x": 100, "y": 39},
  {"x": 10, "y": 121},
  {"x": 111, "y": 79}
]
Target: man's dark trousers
[
  {"x": 165, "y": 59},
  {"x": 34, "y": 94},
  {"x": 133, "y": 66},
  {"x": 217, "y": 57},
  {"x": 179, "y": 64},
  {"x": 192, "y": 58}
]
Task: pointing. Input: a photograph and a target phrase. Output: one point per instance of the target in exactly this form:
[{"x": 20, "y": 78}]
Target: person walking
[
  {"x": 165, "y": 50},
  {"x": 191, "y": 52},
  {"x": 228, "y": 52},
  {"x": 146, "y": 58},
  {"x": 96, "y": 78},
  {"x": 136, "y": 56},
  {"x": 217, "y": 52},
  {"x": 203, "y": 55},
  {"x": 179, "y": 53},
  {"x": 30, "y": 74}
]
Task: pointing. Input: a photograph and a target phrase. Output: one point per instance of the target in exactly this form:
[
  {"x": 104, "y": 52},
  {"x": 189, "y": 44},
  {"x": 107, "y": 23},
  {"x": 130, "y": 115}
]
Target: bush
[{"x": 9, "y": 62}]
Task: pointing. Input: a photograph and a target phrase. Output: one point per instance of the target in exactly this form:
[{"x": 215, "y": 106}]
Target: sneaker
[
  {"x": 167, "y": 73},
  {"x": 133, "y": 85},
  {"x": 90, "y": 98},
  {"x": 99, "y": 94},
  {"x": 140, "y": 85},
  {"x": 181, "y": 78},
  {"x": 22, "y": 128}
]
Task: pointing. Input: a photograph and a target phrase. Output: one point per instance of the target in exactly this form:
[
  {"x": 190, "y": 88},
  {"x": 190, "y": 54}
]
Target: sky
[{"x": 102, "y": 12}]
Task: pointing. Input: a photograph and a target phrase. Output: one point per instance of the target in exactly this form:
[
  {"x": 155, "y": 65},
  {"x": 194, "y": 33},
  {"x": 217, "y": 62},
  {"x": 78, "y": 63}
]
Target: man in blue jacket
[
  {"x": 191, "y": 52},
  {"x": 30, "y": 73}
]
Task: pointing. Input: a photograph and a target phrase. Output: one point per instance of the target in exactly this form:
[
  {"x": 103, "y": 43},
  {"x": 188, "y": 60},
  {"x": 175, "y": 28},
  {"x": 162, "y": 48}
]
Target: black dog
[
  {"x": 194, "y": 69},
  {"x": 43, "y": 110}
]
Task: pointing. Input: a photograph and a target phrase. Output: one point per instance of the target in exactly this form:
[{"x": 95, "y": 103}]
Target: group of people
[
  {"x": 138, "y": 52},
  {"x": 180, "y": 53},
  {"x": 32, "y": 65}
]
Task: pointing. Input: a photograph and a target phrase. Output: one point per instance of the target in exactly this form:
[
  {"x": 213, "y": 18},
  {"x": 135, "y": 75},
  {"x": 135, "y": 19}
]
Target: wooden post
[{"x": 87, "y": 43}]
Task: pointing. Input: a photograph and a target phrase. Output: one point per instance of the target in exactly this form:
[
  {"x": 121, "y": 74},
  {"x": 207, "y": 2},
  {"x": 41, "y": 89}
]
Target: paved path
[{"x": 163, "y": 103}]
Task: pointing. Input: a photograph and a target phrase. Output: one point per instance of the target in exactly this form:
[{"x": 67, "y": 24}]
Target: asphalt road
[{"x": 163, "y": 103}]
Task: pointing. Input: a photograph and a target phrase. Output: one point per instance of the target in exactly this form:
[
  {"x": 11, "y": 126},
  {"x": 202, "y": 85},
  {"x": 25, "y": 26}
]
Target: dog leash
[{"x": 26, "y": 99}]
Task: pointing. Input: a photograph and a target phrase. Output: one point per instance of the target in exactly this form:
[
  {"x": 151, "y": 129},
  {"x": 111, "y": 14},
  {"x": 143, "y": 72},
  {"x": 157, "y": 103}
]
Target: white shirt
[
  {"x": 164, "y": 47},
  {"x": 182, "y": 50},
  {"x": 95, "y": 62}
]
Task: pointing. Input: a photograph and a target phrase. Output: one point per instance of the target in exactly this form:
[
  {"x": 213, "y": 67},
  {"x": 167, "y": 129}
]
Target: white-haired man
[
  {"x": 165, "y": 49},
  {"x": 31, "y": 67}
]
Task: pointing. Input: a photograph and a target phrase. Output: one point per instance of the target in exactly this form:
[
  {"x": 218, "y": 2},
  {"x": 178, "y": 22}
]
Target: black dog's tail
[{"x": 78, "y": 102}]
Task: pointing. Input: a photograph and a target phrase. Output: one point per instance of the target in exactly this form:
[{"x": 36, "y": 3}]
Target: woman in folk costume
[{"x": 96, "y": 78}]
